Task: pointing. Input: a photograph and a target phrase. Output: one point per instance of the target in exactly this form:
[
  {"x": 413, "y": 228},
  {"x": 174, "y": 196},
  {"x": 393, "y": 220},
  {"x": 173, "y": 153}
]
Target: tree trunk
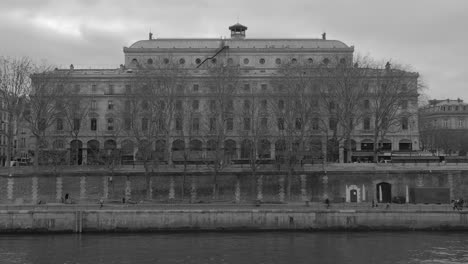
[
  {"x": 36, "y": 152},
  {"x": 147, "y": 180}
]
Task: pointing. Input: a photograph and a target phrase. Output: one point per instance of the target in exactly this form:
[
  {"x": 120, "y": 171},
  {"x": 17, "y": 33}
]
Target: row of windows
[
  {"x": 446, "y": 123},
  {"x": 245, "y": 61}
]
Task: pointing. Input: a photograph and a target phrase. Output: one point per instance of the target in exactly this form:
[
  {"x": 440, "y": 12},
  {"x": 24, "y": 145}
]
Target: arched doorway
[
  {"x": 76, "y": 152},
  {"x": 384, "y": 192},
  {"x": 92, "y": 152},
  {"x": 353, "y": 196}
]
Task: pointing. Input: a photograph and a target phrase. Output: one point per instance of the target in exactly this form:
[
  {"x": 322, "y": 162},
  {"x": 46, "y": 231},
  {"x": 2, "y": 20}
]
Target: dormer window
[
  {"x": 198, "y": 61},
  {"x": 326, "y": 61},
  {"x": 182, "y": 61},
  {"x": 278, "y": 61},
  {"x": 150, "y": 61},
  {"x": 262, "y": 61}
]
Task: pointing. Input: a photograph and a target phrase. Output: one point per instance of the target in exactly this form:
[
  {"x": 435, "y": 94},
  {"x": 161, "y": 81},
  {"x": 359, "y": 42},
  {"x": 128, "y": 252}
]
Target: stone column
[
  {"x": 363, "y": 193},
  {"x": 34, "y": 190},
  {"x": 281, "y": 193},
  {"x": 10, "y": 186},
  {"x": 193, "y": 190},
  {"x": 171, "y": 188},
  {"x": 260, "y": 188},
  {"x": 105, "y": 189},
  {"x": 82, "y": 187},
  {"x": 58, "y": 189},
  {"x": 406, "y": 194},
  {"x": 348, "y": 198},
  {"x": 128, "y": 189},
  {"x": 304, "y": 187},
  {"x": 325, "y": 186},
  {"x": 237, "y": 191},
  {"x": 451, "y": 186}
]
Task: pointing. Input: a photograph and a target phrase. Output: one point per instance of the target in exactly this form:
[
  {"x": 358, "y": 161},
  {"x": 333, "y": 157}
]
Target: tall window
[
  {"x": 93, "y": 105},
  {"x": 195, "y": 87},
  {"x": 127, "y": 106},
  {"x": 230, "y": 124},
  {"x": 59, "y": 124},
  {"x": 264, "y": 123},
  {"x": 315, "y": 123},
  {"x": 366, "y": 123},
  {"x": 264, "y": 86},
  {"x": 404, "y": 123},
  {"x": 332, "y": 123},
  {"x": 195, "y": 104},
  {"x": 212, "y": 105},
  {"x": 264, "y": 104},
  {"x": 212, "y": 124},
  {"x": 445, "y": 123},
  {"x": 178, "y": 105},
  {"x": 93, "y": 88},
  {"x": 144, "y": 124},
  {"x": 366, "y": 104},
  {"x": 178, "y": 124},
  {"x": 404, "y": 104},
  {"x": 280, "y": 123},
  {"x": 195, "y": 124},
  {"x": 246, "y": 105},
  {"x": 76, "y": 124},
  {"x": 144, "y": 105},
  {"x": 298, "y": 123},
  {"x": 246, "y": 123},
  {"x": 246, "y": 87},
  {"x": 110, "y": 124},
  {"x": 128, "y": 123},
  {"x": 460, "y": 122},
  {"x": 331, "y": 106},
  {"x": 230, "y": 105},
  {"x": 77, "y": 88},
  {"x": 93, "y": 124},
  {"x": 161, "y": 124},
  {"x": 111, "y": 89},
  {"x": 280, "y": 104},
  {"x": 128, "y": 89},
  {"x": 110, "y": 105}
]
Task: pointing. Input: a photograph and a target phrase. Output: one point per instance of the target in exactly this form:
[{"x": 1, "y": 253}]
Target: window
[
  {"x": 195, "y": 104},
  {"x": 366, "y": 123},
  {"x": 332, "y": 123},
  {"x": 195, "y": 124},
  {"x": 263, "y": 123},
  {"x": 262, "y": 61},
  {"x": 178, "y": 124},
  {"x": 445, "y": 123},
  {"x": 110, "y": 124},
  {"x": 128, "y": 89},
  {"x": 315, "y": 124},
  {"x": 59, "y": 124},
  {"x": 166, "y": 61},
  {"x": 230, "y": 61},
  {"x": 180, "y": 89},
  {"x": 280, "y": 123},
  {"x": 111, "y": 89},
  {"x": 294, "y": 61},
  {"x": 230, "y": 105},
  {"x": 310, "y": 60},
  {"x": 298, "y": 123},
  {"x": 246, "y": 61},
  {"x": 212, "y": 105},
  {"x": 280, "y": 104},
  {"x": 246, "y": 87},
  {"x": 460, "y": 123},
  {"x": 404, "y": 123},
  {"x": 404, "y": 104},
  {"x": 213, "y": 60},
  {"x": 246, "y": 123},
  {"x": 144, "y": 105},
  {"x": 264, "y": 86},
  {"x": 127, "y": 124},
  {"x": 456, "y": 108},
  {"x": 278, "y": 61},
  {"x": 161, "y": 105},
  {"x": 178, "y": 105},
  {"x": 366, "y": 104},
  {"x": 110, "y": 105},
  {"x": 93, "y": 88},
  {"x": 93, "y": 124},
  {"x": 264, "y": 104},
  {"x": 197, "y": 60},
  {"x": 76, "y": 124},
  {"x": 93, "y": 105},
  {"x": 246, "y": 105},
  {"x": 326, "y": 61},
  {"x": 77, "y": 88},
  {"x": 182, "y": 61},
  {"x": 195, "y": 87},
  {"x": 150, "y": 61},
  {"x": 144, "y": 124},
  {"x": 127, "y": 106},
  {"x": 229, "y": 124},
  {"x": 331, "y": 106},
  {"x": 342, "y": 60},
  {"x": 212, "y": 124}
]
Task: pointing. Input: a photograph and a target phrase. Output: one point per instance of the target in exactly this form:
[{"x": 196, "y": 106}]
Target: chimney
[
  {"x": 150, "y": 36},
  {"x": 324, "y": 35},
  {"x": 72, "y": 67}
]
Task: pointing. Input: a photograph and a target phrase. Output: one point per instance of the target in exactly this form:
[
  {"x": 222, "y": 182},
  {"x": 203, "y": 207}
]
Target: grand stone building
[
  {"x": 258, "y": 84},
  {"x": 444, "y": 126}
]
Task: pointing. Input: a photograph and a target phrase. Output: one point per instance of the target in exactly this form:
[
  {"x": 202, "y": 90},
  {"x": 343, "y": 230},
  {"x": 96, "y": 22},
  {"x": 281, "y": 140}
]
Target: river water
[{"x": 245, "y": 248}]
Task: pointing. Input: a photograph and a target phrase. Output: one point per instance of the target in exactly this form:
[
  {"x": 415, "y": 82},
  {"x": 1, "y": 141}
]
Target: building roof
[
  {"x": 237, "y": 26},
  {"x": 238, "y": 43}
]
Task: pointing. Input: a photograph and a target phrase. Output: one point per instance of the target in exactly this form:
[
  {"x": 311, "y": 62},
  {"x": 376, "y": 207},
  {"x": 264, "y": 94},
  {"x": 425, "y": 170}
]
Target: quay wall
[{"x": 226, "y": 220}]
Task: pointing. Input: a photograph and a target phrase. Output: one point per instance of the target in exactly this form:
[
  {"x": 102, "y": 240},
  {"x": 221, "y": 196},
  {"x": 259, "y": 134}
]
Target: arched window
[{"x": 178, "y": 145}]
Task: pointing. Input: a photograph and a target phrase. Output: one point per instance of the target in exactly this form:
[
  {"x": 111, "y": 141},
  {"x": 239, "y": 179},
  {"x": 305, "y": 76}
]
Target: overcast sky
[{"x": 431, "y": 36}]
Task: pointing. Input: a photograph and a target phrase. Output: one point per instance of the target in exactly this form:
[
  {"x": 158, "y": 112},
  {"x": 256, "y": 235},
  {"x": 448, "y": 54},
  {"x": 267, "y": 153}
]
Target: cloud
[{"x": 429, "y": 35}]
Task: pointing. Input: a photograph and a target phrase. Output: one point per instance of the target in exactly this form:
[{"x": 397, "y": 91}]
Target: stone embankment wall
[{"x": 235, "y": 220}]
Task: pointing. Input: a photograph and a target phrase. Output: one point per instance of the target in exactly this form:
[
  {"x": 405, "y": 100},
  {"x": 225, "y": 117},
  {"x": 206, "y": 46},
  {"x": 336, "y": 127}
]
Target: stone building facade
[
  {"x": 444, "y": 126},
  {"x": 258, "y": 62}
]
